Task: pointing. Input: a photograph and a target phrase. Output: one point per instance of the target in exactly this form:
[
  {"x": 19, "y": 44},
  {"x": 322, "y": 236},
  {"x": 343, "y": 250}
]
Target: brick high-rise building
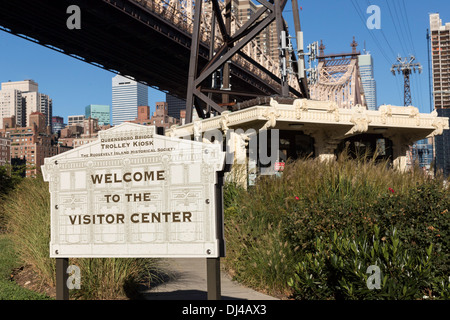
[
  {"x": 440, "y": 55},
  {"x": 5, "y": 151},
  {"x": 31, "y": 144},
  {"x": 143, "y": 114},
  {"x": 159, "y": 119}
]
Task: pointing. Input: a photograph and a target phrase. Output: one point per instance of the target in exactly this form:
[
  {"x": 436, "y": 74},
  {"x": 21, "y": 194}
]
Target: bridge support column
[
  {"x": 399, "y": 147},
  {"x": 193, "y": 62},
  {"x": 325, "y": 143},
  {"x": 226, "y": 66}
]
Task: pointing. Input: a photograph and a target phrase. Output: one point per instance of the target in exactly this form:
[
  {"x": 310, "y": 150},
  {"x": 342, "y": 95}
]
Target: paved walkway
[{"x": 189, "y": 283}]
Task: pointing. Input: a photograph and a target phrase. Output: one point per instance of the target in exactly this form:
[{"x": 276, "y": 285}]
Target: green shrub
[
  {"x": 338, "y": 269},
  {"x": 422, "y": 217}
]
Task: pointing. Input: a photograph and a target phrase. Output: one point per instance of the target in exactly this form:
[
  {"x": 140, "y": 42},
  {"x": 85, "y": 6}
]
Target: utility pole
[
  {"x": 279, "y": 6},
  {"x": 406, "y": 67}
]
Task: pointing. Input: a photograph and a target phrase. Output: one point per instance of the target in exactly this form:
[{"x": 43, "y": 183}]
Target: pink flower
[
  {"x": 391, "y": 190},
  {"x": 297, "y": 198}
]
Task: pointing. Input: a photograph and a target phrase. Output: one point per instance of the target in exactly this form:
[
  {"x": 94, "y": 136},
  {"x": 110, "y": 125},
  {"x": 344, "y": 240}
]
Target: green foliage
[
  {"x": 27, "y": 210},
  {"x": 422, "y": 216},
  {"x": 6, "y": 183},
  {"x": 10, "y": 177},
  {"x": 338, "y": 269},
  {"x": 349, "y": 197},
  {"x": 255, "y": 251}
]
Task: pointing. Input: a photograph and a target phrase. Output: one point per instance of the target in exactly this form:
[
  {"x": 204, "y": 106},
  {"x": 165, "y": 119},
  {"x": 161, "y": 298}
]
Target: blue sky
[{"x": 73, "y": 84}]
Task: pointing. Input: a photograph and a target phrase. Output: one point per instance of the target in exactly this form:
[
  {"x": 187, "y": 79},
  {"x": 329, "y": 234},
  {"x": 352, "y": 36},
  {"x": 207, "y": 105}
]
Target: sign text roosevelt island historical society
[{"x": 132, "y": 193}]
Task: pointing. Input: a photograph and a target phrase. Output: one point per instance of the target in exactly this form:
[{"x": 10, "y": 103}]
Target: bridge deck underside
[{"x": 120, "y": 36}]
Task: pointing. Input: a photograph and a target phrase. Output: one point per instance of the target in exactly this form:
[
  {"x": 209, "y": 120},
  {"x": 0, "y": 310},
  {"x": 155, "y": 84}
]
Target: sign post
[
  {"x": 213, "y": 264},
  {"x": 62, "y": 291},
  {"x": 213, "y": 278},
  {"x": 135, "y": 194}
]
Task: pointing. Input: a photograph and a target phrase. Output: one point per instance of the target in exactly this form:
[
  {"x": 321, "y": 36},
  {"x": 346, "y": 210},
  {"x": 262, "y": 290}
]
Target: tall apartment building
[
  {"x": 267, "y": 39},
  {"x": 365, "y": 63},
  {"x": 440, "y": 55},
  {"x": 5, "y": 151},
  {"x": 440, "y": 51},
  {"x": 30, "y": 101},
  {"x": 12, "y": 104},
  {"x": 127, "y": 95},
  {"x": 45, "y": 106},
  {"x": 100, "y": 112},
  {"x": 174, "y": 106}
]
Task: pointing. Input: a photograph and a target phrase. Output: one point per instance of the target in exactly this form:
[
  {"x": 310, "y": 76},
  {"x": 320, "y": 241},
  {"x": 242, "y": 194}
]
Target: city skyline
[{"x": 73, "y": 84}]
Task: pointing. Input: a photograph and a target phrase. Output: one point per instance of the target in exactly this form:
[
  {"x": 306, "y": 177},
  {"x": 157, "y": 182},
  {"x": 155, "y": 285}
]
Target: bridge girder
[{"x": 134, "y": 38}]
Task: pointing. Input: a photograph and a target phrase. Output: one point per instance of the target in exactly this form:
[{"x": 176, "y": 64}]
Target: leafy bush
[
  {"x": 421, "y": 215},
  {"x": 338, "y": 269}
]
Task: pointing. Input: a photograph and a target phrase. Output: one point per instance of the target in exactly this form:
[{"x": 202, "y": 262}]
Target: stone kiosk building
[{"x": 321, "y": 129}]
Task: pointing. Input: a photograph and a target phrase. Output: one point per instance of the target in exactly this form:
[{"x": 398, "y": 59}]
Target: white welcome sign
[{"x": 133, "y": 193}]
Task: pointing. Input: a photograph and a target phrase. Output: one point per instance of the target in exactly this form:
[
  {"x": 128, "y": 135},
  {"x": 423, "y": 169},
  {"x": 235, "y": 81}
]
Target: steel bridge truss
[
  {"x": 339, "y": 81},
  {"x": 234, "y": 41}
]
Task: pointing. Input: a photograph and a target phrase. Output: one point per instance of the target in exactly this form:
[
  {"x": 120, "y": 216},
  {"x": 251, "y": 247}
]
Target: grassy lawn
[{"x": 9, "y": 290}]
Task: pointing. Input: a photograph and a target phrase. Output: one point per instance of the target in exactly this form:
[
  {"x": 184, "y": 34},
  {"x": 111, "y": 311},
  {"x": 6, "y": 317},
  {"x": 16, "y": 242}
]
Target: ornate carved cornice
[{"x": 311, "y": 113}]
